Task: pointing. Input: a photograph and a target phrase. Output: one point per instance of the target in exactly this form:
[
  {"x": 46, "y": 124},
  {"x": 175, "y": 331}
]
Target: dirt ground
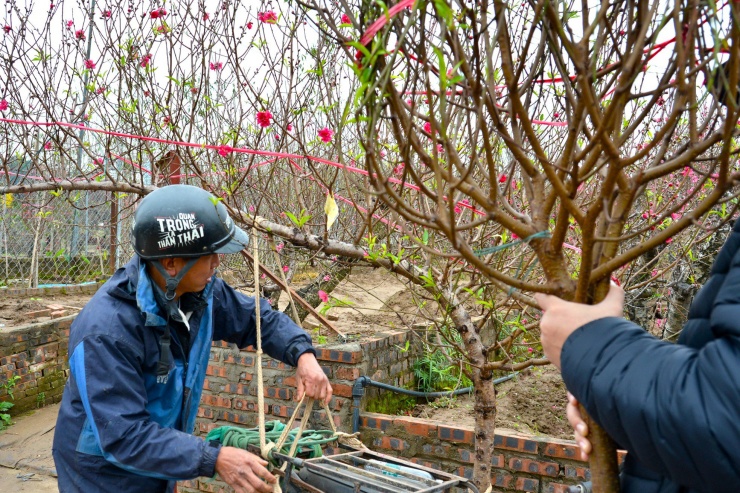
[
  {"x": 17, "y": 310},
  {"x": 533, "y": 402},
  {"x": 373, "y": 301}
]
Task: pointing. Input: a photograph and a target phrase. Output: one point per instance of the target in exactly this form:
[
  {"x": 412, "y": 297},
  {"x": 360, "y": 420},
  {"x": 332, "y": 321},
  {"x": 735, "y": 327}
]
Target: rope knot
[{"x": 267, "y": 451}]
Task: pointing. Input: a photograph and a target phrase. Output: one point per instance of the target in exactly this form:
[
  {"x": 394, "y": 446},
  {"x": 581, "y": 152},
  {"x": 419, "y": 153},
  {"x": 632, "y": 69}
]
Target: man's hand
[
  {"x": 580, "y": 429},
  {"x": 243, "y": 471},
  {"x": 561, "y": 318},
  {"x": 312, "y": 380}
]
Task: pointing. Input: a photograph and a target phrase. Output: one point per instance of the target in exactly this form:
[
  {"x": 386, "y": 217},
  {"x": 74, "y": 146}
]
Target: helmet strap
[{"x": 171, "y": 283}]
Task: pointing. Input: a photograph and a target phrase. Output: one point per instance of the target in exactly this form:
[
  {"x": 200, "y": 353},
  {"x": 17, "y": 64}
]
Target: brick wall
[
  {"x": 38, "y": 355},
  {"x": 522, "y": 462},
  {"x": 230, "y": 390}
]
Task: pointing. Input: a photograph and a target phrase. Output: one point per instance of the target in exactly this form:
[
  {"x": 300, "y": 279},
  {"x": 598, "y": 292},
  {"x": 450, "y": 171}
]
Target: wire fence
[{"x": 48, "y": 238}]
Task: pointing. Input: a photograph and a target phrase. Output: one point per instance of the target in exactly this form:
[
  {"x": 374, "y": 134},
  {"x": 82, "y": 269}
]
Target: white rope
[{"x": 257, "y": 320}]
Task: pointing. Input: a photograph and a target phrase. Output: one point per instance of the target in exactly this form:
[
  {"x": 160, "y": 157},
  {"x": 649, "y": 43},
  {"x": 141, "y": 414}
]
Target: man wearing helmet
[{"x": 139, "y": 351}]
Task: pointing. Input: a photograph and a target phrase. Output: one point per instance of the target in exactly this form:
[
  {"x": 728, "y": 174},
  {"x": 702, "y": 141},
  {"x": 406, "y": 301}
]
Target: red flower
[
  {"x": 289, "y": 127},
  {"x": 7, "y": 29},
  {"x": 3, "y": 105},
  {"x": 48, "y": 146},
  {"x": 100, "y": 90},
  {"x": 70, "y": 24},
  {"x": 323, "y": 296},
  {"x": 263, "y": 118},
  {"x": 206, "y": 16},
  {"x": 80, "y": 34},
  {"x": 502, "y": 178},
  {"x": 224, "y": 150},
  {"x": 428, "y": 127},
  {"x": 346, "y": 19},
  {"x": 325, "y": 134},
  {"x": 89, "y": 64},
  {"x": 107, "y": 14},
  {"x": 249, "y": 25},
  {"x": 145, "y": 60},
  {"x": 216, "y": 66},
  {"x": 155, "y": 14},
  {"x": 268, "y": 17}
]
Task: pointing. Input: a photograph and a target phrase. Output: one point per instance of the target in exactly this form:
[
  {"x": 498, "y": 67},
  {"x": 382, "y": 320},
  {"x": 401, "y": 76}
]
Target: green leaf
[{"x": 444, "y": 11}]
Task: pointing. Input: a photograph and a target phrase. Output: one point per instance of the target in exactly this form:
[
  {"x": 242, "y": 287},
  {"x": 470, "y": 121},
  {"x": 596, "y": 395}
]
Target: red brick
[
  {"x": 36, "y": 314},
  {"x": 534, "y": 467},
  {"x": 345, "y": 373},
  {"x": 216, "y": 371},
  {"x": 290, "y": 381},
  {"x": 234, "y": 388},
  {"x": 527, "y": 484},
  {"x": 375, "y": 421},
  {"x": 563, "y": 451},
  {"x": 278, "y": 393},
  {"x": 418, "y": 427},
  {"x": 240, "y": 359},
  {"x": 511, "y": 442},
  {"x": 390, "y": 443},
  {"x": 248, "y": 405},
  {"x": 350, "y": 357},
  {"x": 58, "y": 314},
  {"x": 212, "y": 400},
  {"x": 342, "y": 390},
  {"x": 502, "y": 479},
  {"x": 556, "y": 488},
  {"x": 579, "y": 473},
  {"x": 454, "y": 434}
]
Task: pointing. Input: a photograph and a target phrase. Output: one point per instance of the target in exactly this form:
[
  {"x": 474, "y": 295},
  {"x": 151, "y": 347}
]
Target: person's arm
[
  {"x": 673, "y": 407},
  {"x": 282, "y": 339}
]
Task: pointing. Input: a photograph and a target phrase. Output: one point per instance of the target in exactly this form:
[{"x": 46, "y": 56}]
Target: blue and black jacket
[
  {"x": 118, "y": 428},
  {"x": 674, "y": 407}
]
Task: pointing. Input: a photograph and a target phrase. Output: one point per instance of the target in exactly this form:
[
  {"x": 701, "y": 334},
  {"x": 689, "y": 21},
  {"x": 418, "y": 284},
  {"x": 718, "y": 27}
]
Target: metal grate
[{"x": 369, "y": 472}]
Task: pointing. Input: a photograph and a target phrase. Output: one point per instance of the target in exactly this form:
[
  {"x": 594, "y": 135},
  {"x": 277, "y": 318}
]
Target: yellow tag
[
  {"x": 8, "y": 199},
  {"x": 331, "y": 209}
]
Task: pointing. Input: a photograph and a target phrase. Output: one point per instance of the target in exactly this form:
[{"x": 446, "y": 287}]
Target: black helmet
[{"x": 184, "y": 221}]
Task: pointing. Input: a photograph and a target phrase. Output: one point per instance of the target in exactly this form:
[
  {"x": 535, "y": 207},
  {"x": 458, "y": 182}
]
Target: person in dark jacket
[
  {"x": 674, "y": 407},
  {"x": 139, "y": 351}
]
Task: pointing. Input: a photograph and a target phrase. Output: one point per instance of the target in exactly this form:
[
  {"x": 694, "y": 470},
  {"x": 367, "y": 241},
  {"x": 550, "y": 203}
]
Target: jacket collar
[{"x": 136, "y": 285}]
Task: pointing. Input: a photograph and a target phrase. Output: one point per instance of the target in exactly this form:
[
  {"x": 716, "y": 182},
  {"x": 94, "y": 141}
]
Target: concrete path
[{"x": 26, "y": 464}]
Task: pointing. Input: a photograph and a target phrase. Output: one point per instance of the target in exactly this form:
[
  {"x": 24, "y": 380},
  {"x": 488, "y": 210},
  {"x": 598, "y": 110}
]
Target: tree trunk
[{"x": 485, "y": 398}]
